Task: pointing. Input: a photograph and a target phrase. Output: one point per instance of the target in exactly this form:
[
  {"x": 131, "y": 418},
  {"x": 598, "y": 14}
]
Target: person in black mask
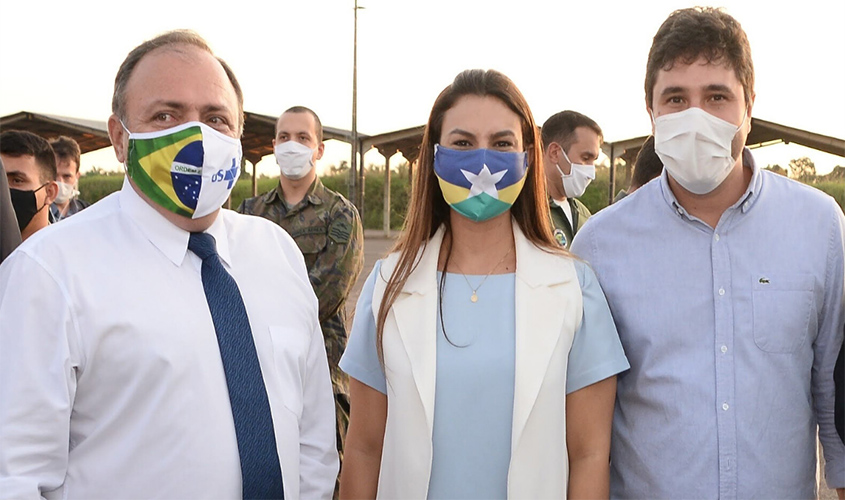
[{"x": 31, "y": 172}]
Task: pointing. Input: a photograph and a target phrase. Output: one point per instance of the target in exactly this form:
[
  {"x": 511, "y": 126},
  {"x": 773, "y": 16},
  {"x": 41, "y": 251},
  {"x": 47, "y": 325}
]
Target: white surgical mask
[
  {"x": 294, "y": 159},
  {"x": 578, "y": 179},
  {"x": 695, "y": 148},
  {"x": 66, "y": 192},
  {"x": 189, "y": 169}
]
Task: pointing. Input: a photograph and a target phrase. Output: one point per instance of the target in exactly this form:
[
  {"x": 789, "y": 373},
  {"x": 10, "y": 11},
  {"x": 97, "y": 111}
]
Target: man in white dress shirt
[{"x": 111, "y": 380}]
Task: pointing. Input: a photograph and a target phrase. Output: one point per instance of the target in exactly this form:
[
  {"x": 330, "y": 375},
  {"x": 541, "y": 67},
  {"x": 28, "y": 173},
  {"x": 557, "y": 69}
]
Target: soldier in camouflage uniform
[
  {"x": 327, "y": 229},
  {"x": 571, "y": 146}
]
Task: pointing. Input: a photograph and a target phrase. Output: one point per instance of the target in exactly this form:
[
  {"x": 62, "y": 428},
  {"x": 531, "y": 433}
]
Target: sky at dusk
[{"x": 61, "y": 58}]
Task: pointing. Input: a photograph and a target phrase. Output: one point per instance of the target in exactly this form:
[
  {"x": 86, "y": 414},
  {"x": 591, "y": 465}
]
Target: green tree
[
  {"x": 343, "y": 168},
  {"x": 374, "y": 195},
  {"x": 802, "y": 169},
  {"x": 777, "y": 169}
]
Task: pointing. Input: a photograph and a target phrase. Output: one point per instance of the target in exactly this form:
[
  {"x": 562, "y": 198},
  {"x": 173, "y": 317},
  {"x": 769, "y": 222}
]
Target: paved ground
[{"x": 376, "y": 246}]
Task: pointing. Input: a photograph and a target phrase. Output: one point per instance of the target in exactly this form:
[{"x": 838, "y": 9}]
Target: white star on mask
[{"x": 484, "y": 182}]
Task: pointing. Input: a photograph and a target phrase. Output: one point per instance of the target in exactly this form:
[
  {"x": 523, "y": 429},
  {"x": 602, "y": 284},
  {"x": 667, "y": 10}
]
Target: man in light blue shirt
[{"x": 726, "y": 285}]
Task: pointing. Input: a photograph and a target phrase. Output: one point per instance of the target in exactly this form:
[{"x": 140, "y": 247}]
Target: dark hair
[
  {"x": 560, "y": 128},
  {"x": 66, "y": 148},
  {"x": 647, "y": 166},
  {"x": 689, "y": 34},
  {"x": 427, "y": 210},
  {"x": 175, "y": 37},
  {"x": 317, "y": 123},
  {"x": 17, "y": 143}
]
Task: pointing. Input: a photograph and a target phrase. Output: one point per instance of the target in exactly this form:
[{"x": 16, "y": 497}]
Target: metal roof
[
  {"x": 259, "y": 131},
  {"x": 91, "y": 135}
]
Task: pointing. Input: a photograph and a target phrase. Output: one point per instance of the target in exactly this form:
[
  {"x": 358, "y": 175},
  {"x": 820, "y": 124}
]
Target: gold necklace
[{"x": 474, "y": 297}]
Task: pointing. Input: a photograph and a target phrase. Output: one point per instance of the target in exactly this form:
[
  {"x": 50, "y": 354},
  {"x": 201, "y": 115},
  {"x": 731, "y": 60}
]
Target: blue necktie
[{"x": 260, "y": 466}]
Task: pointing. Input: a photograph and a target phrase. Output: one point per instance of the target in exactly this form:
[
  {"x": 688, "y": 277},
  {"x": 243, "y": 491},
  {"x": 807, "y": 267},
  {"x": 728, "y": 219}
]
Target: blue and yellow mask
[{"x": 479, "y": 183}]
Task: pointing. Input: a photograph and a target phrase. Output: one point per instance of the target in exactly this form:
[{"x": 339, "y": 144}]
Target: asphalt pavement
[{"x": 376, "y": 246}]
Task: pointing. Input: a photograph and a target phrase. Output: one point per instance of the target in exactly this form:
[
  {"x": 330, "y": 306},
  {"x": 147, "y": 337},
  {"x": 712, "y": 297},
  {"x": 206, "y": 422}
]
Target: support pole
[
  {"x": 612, "y": 187},
  {"x": 387, "y": 195}
]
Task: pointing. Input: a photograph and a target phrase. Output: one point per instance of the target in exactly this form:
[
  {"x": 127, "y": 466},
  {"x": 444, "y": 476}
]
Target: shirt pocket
[
  {"x": 782, "y": 305},
  {"x": 311, "y": 242},
  {"x": 290, "y": 355}
]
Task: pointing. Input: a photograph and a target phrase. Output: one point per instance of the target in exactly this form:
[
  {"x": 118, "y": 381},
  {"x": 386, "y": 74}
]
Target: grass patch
[{"x": 93, "y": 188}]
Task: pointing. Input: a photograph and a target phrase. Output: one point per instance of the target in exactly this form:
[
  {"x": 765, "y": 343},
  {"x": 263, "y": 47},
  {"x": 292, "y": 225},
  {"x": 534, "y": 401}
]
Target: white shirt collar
[
  {"x": 567, "y": 210},
  {"x": 171, "y": 240}
]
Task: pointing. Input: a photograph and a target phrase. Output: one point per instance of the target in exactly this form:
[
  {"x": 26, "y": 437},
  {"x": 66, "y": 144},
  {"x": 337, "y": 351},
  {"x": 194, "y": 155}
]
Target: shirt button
[
  {"x": 716, "y": 237},
  {"x": 721, "y": 291},
  {"x": 725, "y": 406},
  {"x": 724, "y": 349},
  {"x": 746, "y": 205}
]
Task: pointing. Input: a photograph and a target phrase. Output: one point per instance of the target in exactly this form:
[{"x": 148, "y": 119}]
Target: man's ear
[
  {"x": 51, "y": 191},
  {"x": 650, "y": 116},
  {"x": 119, "y": 138},
  {"x": 552, "y": 152},
  {"x": 320, "y": 149},
  {"x": 750, "y": 105}
]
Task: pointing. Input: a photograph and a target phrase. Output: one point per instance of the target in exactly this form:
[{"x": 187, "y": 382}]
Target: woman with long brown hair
[{"x": 483, "y": 355}]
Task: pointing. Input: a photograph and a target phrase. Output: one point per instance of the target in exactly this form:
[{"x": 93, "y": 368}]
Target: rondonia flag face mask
[
  {"x": 189, "y": 169},
  {"x": 480, "y": 183}
]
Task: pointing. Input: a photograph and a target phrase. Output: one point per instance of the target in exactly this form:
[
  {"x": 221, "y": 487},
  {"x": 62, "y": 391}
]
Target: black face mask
[{"x": 25, "y": 205}]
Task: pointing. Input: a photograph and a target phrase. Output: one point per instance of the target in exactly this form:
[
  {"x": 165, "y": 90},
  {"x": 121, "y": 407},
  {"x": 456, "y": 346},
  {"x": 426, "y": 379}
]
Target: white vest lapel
[{"x": 549, "y": 309}]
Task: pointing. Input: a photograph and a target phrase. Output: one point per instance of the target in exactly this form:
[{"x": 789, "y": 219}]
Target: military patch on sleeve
[{"x": 339, "y": 231}]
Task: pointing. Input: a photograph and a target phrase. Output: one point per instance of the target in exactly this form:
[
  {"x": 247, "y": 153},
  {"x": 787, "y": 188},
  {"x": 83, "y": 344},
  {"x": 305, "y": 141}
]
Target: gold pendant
[{"x": 474, "y": 297}]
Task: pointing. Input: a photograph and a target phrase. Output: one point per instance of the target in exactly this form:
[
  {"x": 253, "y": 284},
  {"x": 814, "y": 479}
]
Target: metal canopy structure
[
  {"x": 259, "y": 131},
  {"x": 91, "y": 135},
  {"x": 763, "y": 133},
  {"x": 406, "y": 141}
]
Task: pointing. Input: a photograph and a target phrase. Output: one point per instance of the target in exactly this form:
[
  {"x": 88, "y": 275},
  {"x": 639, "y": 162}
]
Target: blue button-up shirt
[{"x": 732, "y": 334}]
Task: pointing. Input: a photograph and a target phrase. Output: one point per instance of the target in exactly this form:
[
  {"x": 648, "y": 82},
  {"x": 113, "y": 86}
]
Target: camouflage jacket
[
  {"x": 328, "y": 231},
  {"x": 563, "y": 231}
]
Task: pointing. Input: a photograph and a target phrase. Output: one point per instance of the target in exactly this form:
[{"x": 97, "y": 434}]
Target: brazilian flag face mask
[
  {"x": 189, "y": 169},
  {"x": 479, "y": 183}
]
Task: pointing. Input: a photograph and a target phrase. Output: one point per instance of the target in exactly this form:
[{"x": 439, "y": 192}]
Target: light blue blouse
[{"x": 473, "y": 406}]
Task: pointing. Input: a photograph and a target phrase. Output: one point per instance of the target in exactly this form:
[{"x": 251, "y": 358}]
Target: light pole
[{"x": 355, "y": 184}]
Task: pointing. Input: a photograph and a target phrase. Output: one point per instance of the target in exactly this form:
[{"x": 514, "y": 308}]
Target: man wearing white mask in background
[
  {"x": 68, "y": 156},
  {"x": 571, "y": 143},
  {"x": 155, "y": 345},
  {"x": 732, "y": 323},
  {"x": 327, "y": 229}
]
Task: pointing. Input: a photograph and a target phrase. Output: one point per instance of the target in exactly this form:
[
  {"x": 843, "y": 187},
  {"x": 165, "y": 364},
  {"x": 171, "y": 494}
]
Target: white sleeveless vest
[{"x": 549, "y": 311}]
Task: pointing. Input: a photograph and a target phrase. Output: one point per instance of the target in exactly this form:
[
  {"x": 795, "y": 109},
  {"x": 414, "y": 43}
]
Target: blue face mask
[{"x": 479, "y": 183}]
